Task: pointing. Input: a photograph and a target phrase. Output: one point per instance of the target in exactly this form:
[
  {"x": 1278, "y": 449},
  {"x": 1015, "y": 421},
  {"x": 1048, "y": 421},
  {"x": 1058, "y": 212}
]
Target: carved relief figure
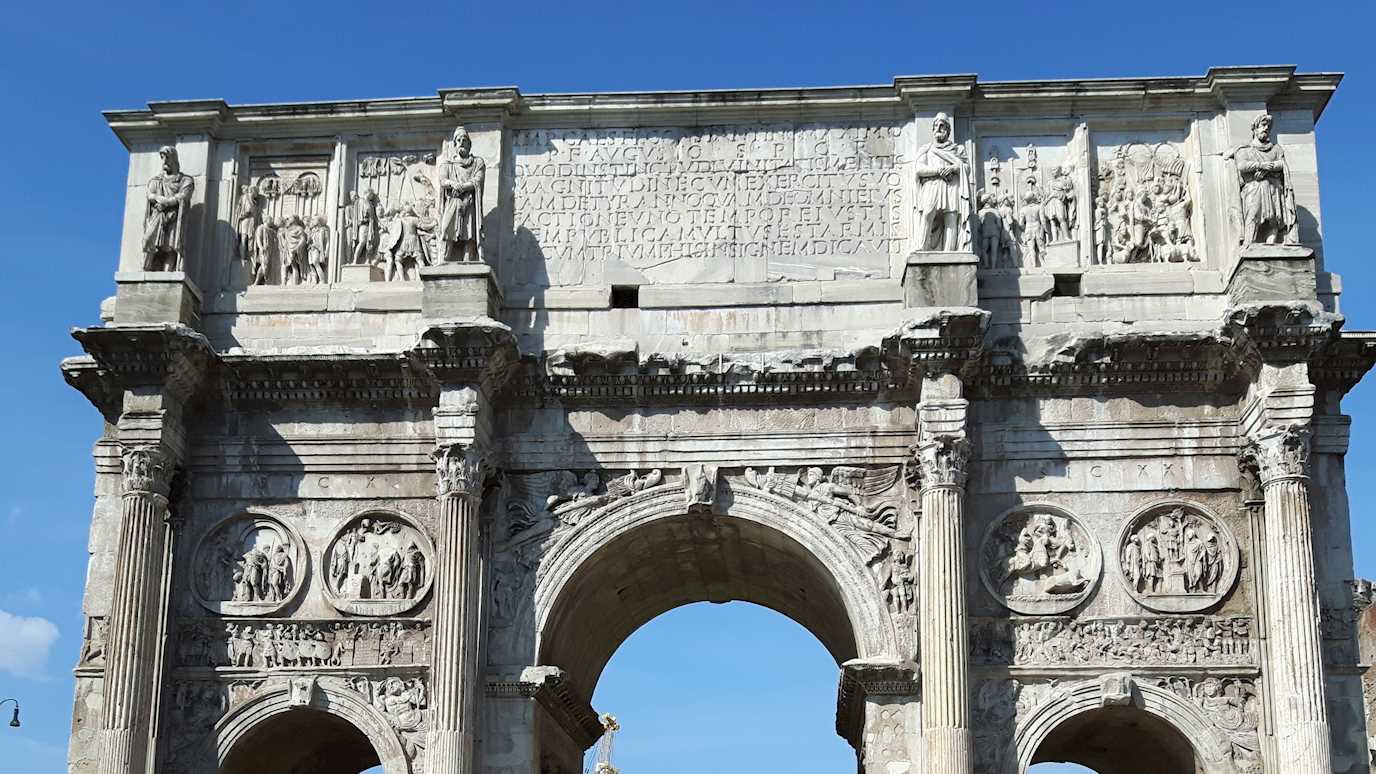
[
  {"x": 1266, "y": 187},
  {"x": 406, "y": 243},
  {"x": 93, "y": 645},
  {"x": 247, "y": 224},
  {"x": 378, "y": 564},
  {"x": 363, "y": 228},
  {"x": 267, "y": 645},
  {"x": 839, "y": 498},
  {"x": 1060, "y": 205},
  {"x": 1177, "y": 559},
  {"x": 318, "y": 250},
  {"x": 943, "y": 198},
  {"x": 1039, "y": 560},
  {"x": 1030, "y": 226},
  {"x": 1143, "y": 207},
  {"x": 993, "y": 234},
  {"x": 249, "y": 564},
  {"x": 461, "y": 177},
  {"x": 165, "y": 219},
  {"x": 294, "y": 242},
  {"x": 265, "y": 250},
  {"x": 1193, "y": 641}
]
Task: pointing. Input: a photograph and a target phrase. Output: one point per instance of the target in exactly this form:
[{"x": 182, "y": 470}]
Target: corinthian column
[
  {"x": 460, "y": 470},
  {"x": 942, "y": 629},
  {"x": 136, "y": 611},
  {"x": 1280, "y": 458}
]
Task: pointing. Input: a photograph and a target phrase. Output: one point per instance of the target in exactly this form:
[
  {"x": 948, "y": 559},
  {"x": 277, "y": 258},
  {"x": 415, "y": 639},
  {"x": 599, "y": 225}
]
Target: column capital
[
  {"x": 461, "y": 469},
  {"x": 1277, "y": 453},
  {"x": 943, "y": 461},
  {"x": 147, "y": 470}
]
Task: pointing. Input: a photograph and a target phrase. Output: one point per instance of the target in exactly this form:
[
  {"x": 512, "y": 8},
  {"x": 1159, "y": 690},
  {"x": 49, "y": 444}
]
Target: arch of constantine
[{"x": 1022, "y": 397}]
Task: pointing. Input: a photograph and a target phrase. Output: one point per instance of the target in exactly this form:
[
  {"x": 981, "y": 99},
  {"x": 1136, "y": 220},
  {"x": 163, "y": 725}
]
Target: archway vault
[{"x": 648, "y": 554}]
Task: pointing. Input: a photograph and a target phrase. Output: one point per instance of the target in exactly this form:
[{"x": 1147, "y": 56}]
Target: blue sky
[{"x": 62, "y": 174}]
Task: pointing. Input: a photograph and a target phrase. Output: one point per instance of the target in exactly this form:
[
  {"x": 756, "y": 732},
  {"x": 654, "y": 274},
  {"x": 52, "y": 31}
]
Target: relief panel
[
  {"x": 1039, "y": 559},
  {"x": 1176, "y": 557},
  {"x": 248, "y": 564},
  {"x": 379, "y": 563}
]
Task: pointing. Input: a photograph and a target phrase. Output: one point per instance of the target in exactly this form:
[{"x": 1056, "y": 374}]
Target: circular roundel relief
[
  {"x": 251, "y": 563},
  {"x": 1177, "y": 557},
  {"x": 1039, "y": 559},
  {"x": 379, "y": 563}
]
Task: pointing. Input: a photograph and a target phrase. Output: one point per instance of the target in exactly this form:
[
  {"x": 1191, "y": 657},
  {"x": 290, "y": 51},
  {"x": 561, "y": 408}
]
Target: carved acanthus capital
[
  {"x": 147, "y": 470},
  {"x": 1277, "y": 453},
  {"x": 944, "y": 461},
  {"x": 460, "y": 469}
]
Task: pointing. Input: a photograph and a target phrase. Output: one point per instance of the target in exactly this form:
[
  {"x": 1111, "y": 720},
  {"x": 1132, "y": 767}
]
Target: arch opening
[
  {"x": 302, "y": 741},
  {"x": 676, "y": 560},
  {"x": 1117, "y": 740}
]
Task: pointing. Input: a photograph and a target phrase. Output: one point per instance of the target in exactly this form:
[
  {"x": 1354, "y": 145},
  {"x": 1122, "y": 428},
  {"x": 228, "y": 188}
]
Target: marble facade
[{"x": 1023, "y": 397}]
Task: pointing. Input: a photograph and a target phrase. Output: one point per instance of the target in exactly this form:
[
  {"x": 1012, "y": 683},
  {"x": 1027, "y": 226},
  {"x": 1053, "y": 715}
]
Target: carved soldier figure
[
  {"x": 1267, "y": 188},
  {"x": 294, "y": 240},
  {"x": 406, "y": 244},
  {"x": 279, "y": 574},
  {"x": 318, "y": 250},
  {"x": 264, "y": 250},
  {"x": 1032, "y": 228},
  {"x": 363, "y": 225},
  {"x": 1060, "y": 205},
  {"x": 943, "y": 197},
  {"x": 461, "y": 177},
  {"x": 248, "y": 223},
  {"x": 164, "y": 224},
  {"x": 991, "y": 231}
]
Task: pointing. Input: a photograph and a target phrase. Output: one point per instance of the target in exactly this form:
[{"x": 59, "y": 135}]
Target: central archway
[
  {"x": 648, "y": 554},
  {"x": 302, "y": 741}
]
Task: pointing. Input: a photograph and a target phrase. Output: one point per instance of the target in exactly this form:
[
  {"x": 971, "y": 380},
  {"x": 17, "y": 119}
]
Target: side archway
[
  {"x": 1177, "y": 725},
  {"x": 329, "y": 709},
  {"x": 647, "y": 554}
]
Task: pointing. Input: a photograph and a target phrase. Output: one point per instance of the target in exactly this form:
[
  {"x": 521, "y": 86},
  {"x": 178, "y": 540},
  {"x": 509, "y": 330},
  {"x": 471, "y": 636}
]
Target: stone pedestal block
[
  {"x": 1062, "y": 255},
  {"x": 940, "y": 279},
  {"x": 359, "y": 274},
  {"x": 1267, "y": 273},
  {"x": 453, "y": 290},
  {"x": 143, "y": 297}
]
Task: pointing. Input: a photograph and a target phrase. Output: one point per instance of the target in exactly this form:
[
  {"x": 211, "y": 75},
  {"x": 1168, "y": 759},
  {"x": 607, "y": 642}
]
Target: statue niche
[
  {"x": 379, "y": 563},
  {"x": 1175, "y": 558},
  {"x": 249, "y": 564},
  {"x": 1039, "y": 560}
]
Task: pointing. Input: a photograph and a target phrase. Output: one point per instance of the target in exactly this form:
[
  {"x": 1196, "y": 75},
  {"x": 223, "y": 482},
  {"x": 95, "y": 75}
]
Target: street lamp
[{"x": 14, "y": 719}]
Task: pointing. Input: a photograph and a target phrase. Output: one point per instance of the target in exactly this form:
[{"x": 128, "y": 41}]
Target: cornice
[
  {"x": 257, "y": 381},
  {"x": 1344, "y": 361},
  {"x": 171, "y": 357},
  {"x": 551, "y": 687},
  {"x": 1215, "y": 88}
]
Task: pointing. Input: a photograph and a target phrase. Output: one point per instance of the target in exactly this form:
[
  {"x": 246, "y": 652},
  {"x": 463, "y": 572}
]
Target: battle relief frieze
[
  {"x": 251, "y": 563},
  {"x": 257, "y": 644},
  {"x": 1039, "y": 559},
  {"x": 1059, "y": 642},
  {"x": 1177, "y": 557},
  {"x": 379, "y": 563}
]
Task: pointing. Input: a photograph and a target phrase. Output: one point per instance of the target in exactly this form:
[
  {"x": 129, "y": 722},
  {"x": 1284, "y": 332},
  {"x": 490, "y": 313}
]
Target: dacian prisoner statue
[{"x": 397, "y": 442}]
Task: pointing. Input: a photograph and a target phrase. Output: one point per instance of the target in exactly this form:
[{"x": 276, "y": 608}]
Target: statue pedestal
[
  {"x": 454, "y": 290},
  {"x": 359, "y": 274},
  {"x": 1062, "y": 255},
  {"x": 1271, "y": 273},
  {"x": 143, "y": 297},
  {"x": 933, "y": 278}
]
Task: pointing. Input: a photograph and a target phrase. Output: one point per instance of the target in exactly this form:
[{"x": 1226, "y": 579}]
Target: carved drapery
[
  {"x": 943, "y": 634},
  {"x": 1279, "y": 458},
  {"x": 460, "y": 471}
]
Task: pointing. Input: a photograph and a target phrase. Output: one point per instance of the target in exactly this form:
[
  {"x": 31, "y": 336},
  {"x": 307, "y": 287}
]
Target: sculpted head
[
  {"x": 941, "y": 127},
  {"x": 1261, "y": 127},
  {"x": 463, "y": 144},
  {"x": 170, "y": 164}
]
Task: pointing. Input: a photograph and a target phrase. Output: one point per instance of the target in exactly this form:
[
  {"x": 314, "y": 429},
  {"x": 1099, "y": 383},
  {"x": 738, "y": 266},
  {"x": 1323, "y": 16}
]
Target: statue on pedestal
[
  {"x": 461, "y": 201},
  {"x": 164, "y": 223},
  {"x": 943, "y": 195},
  {"x": 1267, "y": 189}
]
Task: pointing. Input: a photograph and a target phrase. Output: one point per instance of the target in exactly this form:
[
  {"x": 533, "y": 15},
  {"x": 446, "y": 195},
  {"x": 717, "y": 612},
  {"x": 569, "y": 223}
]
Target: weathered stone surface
[{"x": 956, "y": 374}]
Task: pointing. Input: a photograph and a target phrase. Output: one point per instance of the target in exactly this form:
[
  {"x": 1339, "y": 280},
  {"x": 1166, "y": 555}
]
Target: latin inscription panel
[{"x": 710, "y": 204}]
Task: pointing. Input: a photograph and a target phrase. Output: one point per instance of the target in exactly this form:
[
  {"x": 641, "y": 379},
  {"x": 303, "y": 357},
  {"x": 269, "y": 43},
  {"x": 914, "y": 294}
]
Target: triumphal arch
[{"x": 1023, "y": 397}]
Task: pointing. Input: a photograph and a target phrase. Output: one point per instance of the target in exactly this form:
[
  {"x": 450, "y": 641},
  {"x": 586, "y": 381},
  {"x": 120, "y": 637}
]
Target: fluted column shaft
[
  {"x": 1295, "y": 660},
  {"x": 136, "y": 613},
  {"x": 454, "y": 668},
  {"x": 943, "y": 632}
]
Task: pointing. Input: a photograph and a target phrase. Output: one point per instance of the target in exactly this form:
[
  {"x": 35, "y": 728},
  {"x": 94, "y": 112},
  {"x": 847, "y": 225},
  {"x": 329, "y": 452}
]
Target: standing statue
[
  {"x": 264, "y": 250},
  {"x": 461, "y": 177},
  {"x": 1267, "y": 189},
  {"x": 943, "y": 196},
  {"x": 248, "y": 223},
  {"x": 164, "y": 224},
  {"x": 294, "y": 242},
  {"x": 1060, "y": 205}
]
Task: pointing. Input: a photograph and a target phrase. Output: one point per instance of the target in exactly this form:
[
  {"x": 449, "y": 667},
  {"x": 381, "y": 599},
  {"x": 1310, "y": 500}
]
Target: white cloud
[{"x": 24, "y": 644}]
